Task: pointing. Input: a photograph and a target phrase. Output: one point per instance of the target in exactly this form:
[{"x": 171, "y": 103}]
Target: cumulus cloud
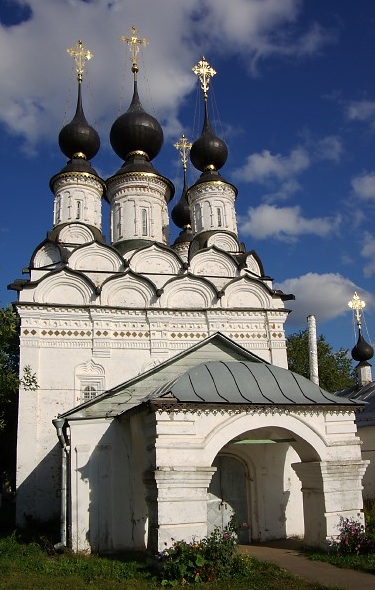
[
  {"x": 368, "y": 251},
  {"x": 328, "y": 148},
  {"x": 364, "y": 186},
  {"x": 266, "y": 166},
  {"x": 284, "y": 223},
  {"x": 361, "y": 110},
  {"x": 34, "y": 66},
  {"x": 324, "y": 295},
  {"x": 281, "y": 171}
]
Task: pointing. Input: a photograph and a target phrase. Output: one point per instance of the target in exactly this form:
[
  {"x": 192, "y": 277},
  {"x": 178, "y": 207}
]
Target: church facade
[{"x": 164, "y": 405}]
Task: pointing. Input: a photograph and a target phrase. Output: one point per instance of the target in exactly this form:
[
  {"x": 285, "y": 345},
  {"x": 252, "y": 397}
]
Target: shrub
[
  {"x": 213, "y": 558},
  {"x": 352, "y": 538}
]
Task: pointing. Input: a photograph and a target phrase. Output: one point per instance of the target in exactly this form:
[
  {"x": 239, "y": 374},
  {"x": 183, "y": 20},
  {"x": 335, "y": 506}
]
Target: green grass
[
  {"x": 27, "y": 566},
  {"x": 364, "y": 563}
]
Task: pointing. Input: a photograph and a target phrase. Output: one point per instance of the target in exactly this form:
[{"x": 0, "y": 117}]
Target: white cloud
[
  {"x": 329, "y": 148},
  {"x": 361, "y": 110},
  {"x": 324, "y": 295},
  {"x": 364, "y": 185},
  {"x": 368, "y": 251},
  {"x": 284, "y": 223},
  {"x": 35, "y": 68},
  {"x": 266, "y": 166}
]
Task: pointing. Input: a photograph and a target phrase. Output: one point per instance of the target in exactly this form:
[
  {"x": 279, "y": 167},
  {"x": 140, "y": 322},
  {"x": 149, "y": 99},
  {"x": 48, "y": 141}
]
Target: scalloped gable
[
  {"x": 156, "y": 258},
  {"x": 128, "y": 290},
  {"x": 96, "y": 257},
  {"x": 61, "y": 286},
  {"x": 189, "y": 292},
  {"x": 47, "y": 254},
  {"x": 213, "y": 262}
]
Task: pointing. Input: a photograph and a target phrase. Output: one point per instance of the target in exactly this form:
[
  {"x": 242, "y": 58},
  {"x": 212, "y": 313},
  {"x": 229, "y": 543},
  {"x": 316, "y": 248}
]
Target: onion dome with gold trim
[
  {"x": 362, "y": 351},
  {"x": 136, "y": 133},
  {"x": 208, "y": 152},
  {"x": 78, "y": 140}
]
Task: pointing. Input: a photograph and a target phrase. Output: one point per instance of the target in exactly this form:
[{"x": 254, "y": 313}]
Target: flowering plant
[
  {"x": 352, "y": 538},
  {"x": 207, "y": 560}
]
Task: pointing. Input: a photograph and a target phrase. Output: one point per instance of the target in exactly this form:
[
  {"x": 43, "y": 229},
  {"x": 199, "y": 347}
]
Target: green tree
[
  {"x": 335, "y": 368},
  {"x": 9, "y": 382}
]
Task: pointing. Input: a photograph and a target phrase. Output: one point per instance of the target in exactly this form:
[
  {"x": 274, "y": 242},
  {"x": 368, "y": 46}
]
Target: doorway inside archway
[{"x": 228, "y": 496}]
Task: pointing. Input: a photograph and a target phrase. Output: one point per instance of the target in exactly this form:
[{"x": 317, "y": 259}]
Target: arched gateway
[{"x": 191, "y": 438}]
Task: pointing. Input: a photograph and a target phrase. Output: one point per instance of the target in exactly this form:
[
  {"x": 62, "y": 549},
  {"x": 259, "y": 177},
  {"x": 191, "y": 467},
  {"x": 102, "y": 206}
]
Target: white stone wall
[
  {"x": 367, "y": 435},
  {"x": 166, "y": 460},
  {"x": 139, "y": 207},
  {"x": 77, "y": 198},
  {"x": 212, "y": 207}
]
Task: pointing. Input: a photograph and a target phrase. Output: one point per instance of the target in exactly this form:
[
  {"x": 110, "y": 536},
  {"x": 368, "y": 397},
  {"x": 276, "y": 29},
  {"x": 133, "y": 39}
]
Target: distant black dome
[
  {"x": 184, "y": 237},
  {"x": 78, "y": 137},
  {"x": 136, "y": 131},
  {"x": 362, "y": 351},
  {"x": 208, "y": 151},
  {"x": 181, "y": 211}
]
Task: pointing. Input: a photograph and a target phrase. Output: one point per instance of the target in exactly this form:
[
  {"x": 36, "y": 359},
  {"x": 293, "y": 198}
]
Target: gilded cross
[
  {"x": 357, "y": 305},
  {"x": 80, "y": 55},
  {"x": 134, "y": 42},
  {"x": 204, "y": 72},
  {"x": 183, "y": 146}
]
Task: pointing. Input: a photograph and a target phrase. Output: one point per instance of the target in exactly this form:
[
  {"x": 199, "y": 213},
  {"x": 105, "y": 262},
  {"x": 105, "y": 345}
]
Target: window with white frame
[
  {"x": 79, "y": 210},
  {"x": 144, "y": 222},
  {"x": 198, "y": 217},
  {"x": 89, "y": 392},
  {"x": 219, "y": 214}
]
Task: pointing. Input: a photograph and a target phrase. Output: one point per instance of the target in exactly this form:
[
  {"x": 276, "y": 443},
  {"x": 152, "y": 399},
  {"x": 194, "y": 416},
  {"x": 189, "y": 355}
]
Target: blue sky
[{"x": 294, "y": 98}]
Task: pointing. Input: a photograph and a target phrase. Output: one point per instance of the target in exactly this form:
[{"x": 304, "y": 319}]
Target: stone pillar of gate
[
  {"x": 331, "y": 490},
  {"x": 177, "y": 504}
]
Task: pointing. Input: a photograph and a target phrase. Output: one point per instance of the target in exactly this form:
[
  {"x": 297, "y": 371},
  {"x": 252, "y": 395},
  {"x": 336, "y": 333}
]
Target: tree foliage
[
  {"x": 335, "y": 368},
  {"x": 9, "y": 383}
]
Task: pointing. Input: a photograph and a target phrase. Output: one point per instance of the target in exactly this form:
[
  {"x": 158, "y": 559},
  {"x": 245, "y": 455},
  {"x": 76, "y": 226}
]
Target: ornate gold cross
[
  {"x": 357, "y": 304},
  {"x": 183, "y": 146},
  {"x": 134, "y": 44},
  {"x": 80, "y": 55},
  {"x": 204, "y": 72}
]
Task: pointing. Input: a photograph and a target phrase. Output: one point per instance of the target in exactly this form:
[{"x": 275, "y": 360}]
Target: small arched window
[
  {"x": 219, "y": 216},
  {"x": 89, "y": 392},
  {"x": 198, "y": 217},
  {"x": 144, "y": 214}
]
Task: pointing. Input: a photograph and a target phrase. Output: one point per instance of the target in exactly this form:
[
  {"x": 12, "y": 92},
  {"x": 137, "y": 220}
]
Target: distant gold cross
[
  {"x": 80, "y": 55},
  {"x": 183, "y": 146},
  {"x": 134, "y": 44},
  {"x": 357, "y": 304},
  {"x": 204, "y": 72}
]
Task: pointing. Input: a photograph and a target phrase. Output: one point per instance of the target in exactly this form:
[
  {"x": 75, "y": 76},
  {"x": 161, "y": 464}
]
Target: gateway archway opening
[{"x": 228, "y": 496}]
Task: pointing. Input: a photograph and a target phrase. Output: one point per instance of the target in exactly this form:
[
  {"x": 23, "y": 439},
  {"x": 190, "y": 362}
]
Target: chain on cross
[
  {"x": 134, "y": 42},
  {"x": 357, "y": 305},
  {"x": 204, "y": 72},
  {"x": 80, "y": 55},
  {"x": 183, "y": 146}
]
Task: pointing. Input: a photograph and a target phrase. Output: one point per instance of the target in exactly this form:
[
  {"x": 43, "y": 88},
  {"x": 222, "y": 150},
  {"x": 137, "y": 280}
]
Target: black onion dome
[
  {"x": 208, "y": 151},
  {"x": 184, "y": 237},
  {"x": 362, "y": 351},
  {"x": 181, "y": 211},
  {"x": 78, "y": 138},
  {"x": 136, "y": 131}
]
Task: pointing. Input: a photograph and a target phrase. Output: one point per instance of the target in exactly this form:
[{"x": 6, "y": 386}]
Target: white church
[{"x": 164, "y": 405}]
